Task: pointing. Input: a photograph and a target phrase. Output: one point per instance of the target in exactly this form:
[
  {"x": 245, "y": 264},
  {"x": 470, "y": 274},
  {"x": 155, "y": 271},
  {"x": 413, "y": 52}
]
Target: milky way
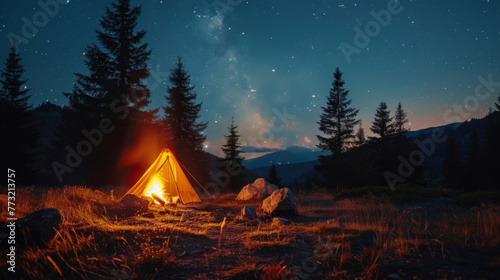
[{"x": 270, "y": 63}]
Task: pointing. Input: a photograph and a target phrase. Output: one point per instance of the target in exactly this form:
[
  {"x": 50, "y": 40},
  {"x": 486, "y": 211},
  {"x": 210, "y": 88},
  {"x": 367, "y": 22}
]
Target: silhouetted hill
[
  {"x": 291, "y": 155},
  {"x": 289, "y": 173},
  {"x": 460, "y": 131}
]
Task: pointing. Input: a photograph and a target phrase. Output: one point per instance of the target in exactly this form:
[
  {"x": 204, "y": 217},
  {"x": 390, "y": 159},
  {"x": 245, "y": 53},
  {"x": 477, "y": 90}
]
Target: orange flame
[{"x": 155, "y": 187}]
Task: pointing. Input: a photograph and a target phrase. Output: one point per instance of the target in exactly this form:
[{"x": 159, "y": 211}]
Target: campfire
[{"x": 155, "y": 191}]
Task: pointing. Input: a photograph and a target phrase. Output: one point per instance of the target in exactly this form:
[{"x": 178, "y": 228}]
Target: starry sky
[{"x": 270, "y": 63}]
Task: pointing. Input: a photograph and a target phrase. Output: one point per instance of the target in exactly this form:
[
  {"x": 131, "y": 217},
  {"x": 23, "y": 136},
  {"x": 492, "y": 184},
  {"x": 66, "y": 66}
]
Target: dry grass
[
  {"x": 387, "y": 232},
  {"x": 244, "y": 269},
  {"x": 77, "y": 253},
  {"x": 90, "y": 245},
  {"x": 360, "y": 235},
  {"x": 475, "y": 227},
  {"x": 250, "y": 270},
  {"x": 269, "y": 236}
]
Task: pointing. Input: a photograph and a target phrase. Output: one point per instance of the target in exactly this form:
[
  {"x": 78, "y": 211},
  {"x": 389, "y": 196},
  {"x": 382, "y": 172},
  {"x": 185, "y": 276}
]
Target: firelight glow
[{"x": 156, "y": 187}]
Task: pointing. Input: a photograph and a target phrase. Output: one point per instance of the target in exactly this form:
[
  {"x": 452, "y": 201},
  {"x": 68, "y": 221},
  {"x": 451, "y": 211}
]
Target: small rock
[
  {"x": 249, "y": 212},
  {"x": 38, "y": 228},
  {"x": 281, "y": 202},
  {"x": 281, "y": 221}
]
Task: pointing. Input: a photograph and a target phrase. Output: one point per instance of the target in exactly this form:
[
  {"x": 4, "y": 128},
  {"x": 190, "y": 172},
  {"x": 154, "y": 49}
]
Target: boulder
[
  {"x": 249, "y": 212},
  {"x": 259, "y": 189},
  {"x": 280, "y": 203},
  {"x": 38, "y": 228}
]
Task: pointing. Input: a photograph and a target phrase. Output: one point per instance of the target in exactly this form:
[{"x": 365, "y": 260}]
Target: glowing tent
[{"x": 165, "y": 179}]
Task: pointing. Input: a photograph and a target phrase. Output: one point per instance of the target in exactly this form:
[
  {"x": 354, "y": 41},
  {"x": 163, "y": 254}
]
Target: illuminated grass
[{"x": 269, "y": 237}]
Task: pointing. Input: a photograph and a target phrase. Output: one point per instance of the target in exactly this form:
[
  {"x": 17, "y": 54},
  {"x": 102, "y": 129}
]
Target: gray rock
[
  {"x": 249, "y": 212},
  {"x": 259, "y": 189},
  {"x": 38, "y": 228},
  {"x": 280, "y": 203}
]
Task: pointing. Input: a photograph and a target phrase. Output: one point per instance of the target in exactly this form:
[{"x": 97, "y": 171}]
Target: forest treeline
[{"x": 107, "y": 113}]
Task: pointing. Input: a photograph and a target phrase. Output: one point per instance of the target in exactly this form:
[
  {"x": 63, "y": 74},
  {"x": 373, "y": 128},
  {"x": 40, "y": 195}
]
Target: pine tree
[
  {"x": 382, "y": 124},
  {"x": 360, "y": 136},
  {"x": 273, "y": 176},
  {"x": 337, "y": 124},
  {"x": 233, "y": 161},
  {"x": 113, "y": 89},
  {"x": 338, "y": 119},
  {"x": 119, "y": 69},
  {"x": 385, "y": 148},
  {"x": 185, "y": 133},
  {"x": 19, "y": 130},
  {"x": 452, "y": 165},
  {"x": 400, "y": 119}
]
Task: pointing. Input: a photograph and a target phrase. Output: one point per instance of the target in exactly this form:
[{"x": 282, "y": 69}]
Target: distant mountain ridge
[
  {"x": 290, "y": 155},
  {"x": 295, "y": 162}
]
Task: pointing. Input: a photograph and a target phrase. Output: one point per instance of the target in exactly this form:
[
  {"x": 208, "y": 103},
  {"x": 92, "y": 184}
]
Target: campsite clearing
[{"x": 330, "y": 239}]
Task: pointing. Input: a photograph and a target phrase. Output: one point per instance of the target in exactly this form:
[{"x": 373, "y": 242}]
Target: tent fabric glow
[{"x": 166, "y": 169}]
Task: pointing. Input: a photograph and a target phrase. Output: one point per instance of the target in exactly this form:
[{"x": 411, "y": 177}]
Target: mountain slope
[{"x": 291, "y": 155}]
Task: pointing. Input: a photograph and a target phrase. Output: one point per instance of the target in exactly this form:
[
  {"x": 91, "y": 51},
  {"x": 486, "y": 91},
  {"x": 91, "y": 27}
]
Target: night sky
[{"x": 262, "y": 57}]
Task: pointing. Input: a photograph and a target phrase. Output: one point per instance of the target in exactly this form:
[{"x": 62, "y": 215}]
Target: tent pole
[{"x": 176, "y": 185}]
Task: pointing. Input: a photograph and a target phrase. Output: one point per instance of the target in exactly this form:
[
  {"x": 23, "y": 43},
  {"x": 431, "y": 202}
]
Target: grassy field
[{"x": 362, "y": 234}]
